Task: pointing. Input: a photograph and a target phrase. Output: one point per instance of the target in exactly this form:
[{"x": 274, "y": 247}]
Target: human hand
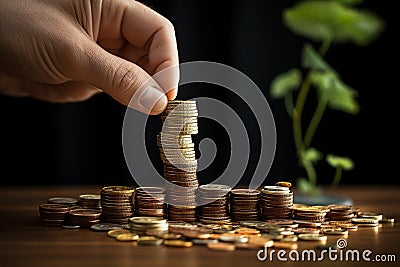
[{"x": 69, "y": 50}]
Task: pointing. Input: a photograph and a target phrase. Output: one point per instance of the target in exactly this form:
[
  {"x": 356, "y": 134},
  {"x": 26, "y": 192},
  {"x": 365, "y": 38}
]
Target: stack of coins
[
  {"x": 340, "y": 213},
  {"x": 142, "y": 224},
  {"x": 178, "y": 155},
  {"x": 84, "y": 217},
  {"x": 245, "y": 204},
  {"x": 70, "y": 201},
  {"x": 276, "y": 202},
  {"x": 117, "y": 204},
  {"x": 214, "y": 200},
  {"x": 150, "y": 202},
  {"x": 309, "y": 213},
  {"x": 53, "y": 214},
  {"x": 90, "y": 201}
]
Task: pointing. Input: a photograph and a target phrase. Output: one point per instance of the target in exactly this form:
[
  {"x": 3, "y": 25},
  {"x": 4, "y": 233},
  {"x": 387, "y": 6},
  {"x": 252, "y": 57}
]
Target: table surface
[{"x": 24, "y": 242}]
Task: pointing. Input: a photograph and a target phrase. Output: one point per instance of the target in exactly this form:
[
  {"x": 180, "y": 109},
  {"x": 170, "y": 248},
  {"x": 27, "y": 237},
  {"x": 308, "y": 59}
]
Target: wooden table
[{"x": 23, "y": 242}]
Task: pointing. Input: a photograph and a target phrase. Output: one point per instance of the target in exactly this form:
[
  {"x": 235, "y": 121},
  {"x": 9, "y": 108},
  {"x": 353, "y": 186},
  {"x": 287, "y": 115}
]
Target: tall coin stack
[
  {"x": 245, "y": 204},
  {"x": 276, "y": 202},
  {"x": 178, "y": 155},
  {"x": 216, "y": 203},
  {"x": 117, "y": 204},
  {"x": 150, "y": 201}
]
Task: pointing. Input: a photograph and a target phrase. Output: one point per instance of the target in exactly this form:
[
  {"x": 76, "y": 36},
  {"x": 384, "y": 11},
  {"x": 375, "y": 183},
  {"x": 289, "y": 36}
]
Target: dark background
[{"x": 45, "y": 143}]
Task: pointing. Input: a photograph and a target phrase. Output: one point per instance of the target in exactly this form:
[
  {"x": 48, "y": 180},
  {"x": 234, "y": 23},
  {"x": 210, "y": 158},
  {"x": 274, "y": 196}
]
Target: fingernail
[{"x": 153, "y": 99}]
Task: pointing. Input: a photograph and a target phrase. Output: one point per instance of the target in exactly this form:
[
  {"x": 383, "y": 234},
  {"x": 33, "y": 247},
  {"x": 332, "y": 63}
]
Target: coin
[
  {"x": 62, "y": 200},
  {"x": 204, "y": 241},
  {"x": 127, "y": 237},
  {"x": 149, "y": 241},
  {"x": 336, "y": 232},
  {"x": 285, "y": 184},
  {"x": 359, "y": 221},
  {"x": 71, "y": 227},
  {"x": 221, "y": 246},
  {"x": 178, "y": 243},
  {"x": 115, "y": 232},
  {"x": 312, "y": 237},
  {"x": 103, "y": 227}
]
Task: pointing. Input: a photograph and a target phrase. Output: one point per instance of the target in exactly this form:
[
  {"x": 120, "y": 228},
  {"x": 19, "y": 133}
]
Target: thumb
[{"x": 125, "y": 81}]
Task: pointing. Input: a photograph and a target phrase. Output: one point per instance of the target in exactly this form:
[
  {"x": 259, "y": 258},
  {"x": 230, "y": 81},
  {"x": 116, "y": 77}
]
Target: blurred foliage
[{"x": 324, "y": 23}]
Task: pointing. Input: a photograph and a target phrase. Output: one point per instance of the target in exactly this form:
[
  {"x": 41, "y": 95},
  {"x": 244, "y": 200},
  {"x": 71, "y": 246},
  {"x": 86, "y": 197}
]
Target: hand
[{"x": 69, "y": 50}]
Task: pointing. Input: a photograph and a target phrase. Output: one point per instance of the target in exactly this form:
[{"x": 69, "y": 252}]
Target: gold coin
[
  {"x": 178, "y": 243},
  {"x": 115, "y": 232},
  {"x": 221, "y": 246},
  {"x": 149, "y": 241},
  {"x": 127, "y": 237},
  {"x": 336, "y": 231},
  {"x": 285, "y": 184}
]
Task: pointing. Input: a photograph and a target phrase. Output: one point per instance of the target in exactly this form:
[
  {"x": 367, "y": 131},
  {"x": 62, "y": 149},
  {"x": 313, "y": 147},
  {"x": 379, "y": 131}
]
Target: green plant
[{"x": 324, "y": 23}]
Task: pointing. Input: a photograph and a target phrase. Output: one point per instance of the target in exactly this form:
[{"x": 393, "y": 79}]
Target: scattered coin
[
  {"x": 149, "y": 241},
  {"x": 114, "y": 233},
  {"x": 336, "y": 231},
  {"x": 312, "y": 237},
  {"x": 127, "y": 237},
  {"x": 221, "y": 246},
  {"x": 71, "y": 227},
  {"x": 103, "y": 227},
  {"x": 178, "y": 243}
]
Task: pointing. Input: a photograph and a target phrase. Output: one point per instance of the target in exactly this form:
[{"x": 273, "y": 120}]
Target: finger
[{"x": 145, "y": 28}]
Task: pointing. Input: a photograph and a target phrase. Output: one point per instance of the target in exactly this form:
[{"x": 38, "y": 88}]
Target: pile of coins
[
  {"x": 150, "y": 201},
  {"x": 84, "y": 217},
  {"x": 216, "y": 203},
  {"x": 141, "y": 225},
  {"x": 90, "y": 201},
  {"x": 310, "y": 213},
  {"x": 53, "y": 214},
  {"x": 179, "y": 158},
  {"x": 340, "y": 212},
  {"x": 117, "y": 204},
  {"x": 276, "y": 202},
  {"x": 245, "y": 204}
]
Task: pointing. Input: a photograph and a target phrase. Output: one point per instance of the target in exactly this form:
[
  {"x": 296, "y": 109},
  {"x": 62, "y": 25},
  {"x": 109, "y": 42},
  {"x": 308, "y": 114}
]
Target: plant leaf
[
  {"x": 285, "y": 82},
  {"x": 311, "y": 59},
  {"x": 342, "y": 162},
  {"x": 312, "y": 155},
  {"x": 331, "y": 21},
  {"x": 306, "y": 187},
  {"x": 331, "y": 89}
]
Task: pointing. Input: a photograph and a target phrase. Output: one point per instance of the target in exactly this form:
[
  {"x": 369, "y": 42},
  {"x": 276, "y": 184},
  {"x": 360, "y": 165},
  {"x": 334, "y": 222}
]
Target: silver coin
[
  {"x": 71, "y": 226},
  {"x": 105, "y": 226},
  {"x": 62, "y": 200}
]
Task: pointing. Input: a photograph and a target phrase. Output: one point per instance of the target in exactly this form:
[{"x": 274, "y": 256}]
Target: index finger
[{"x": 145, "y": 28}]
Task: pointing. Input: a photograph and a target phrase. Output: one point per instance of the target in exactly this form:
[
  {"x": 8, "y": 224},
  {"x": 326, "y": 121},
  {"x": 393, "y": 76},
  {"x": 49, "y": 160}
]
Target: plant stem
[
  {"x": 297, "y": 113},
  {"x": 296, "y": 120},
  {"x": 289, "y": 104},
  {"x": 312, "y": 176},
  {"x": 319, "y": 112},
  {"x": 338, "y": 176}
]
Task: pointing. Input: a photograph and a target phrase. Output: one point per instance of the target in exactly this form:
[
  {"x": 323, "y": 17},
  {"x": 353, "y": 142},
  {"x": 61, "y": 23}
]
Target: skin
[{"x": 69, "y": 50}]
